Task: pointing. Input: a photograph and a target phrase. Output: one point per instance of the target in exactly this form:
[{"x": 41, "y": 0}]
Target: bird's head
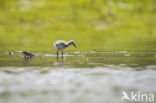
[
  {"x": 24, "y": 52},
  {"x": 71, "y": 42}
]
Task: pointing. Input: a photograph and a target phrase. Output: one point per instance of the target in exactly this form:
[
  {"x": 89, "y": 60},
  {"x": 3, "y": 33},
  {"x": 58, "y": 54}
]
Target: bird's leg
[
  {"x": 57, "y": 54},
  {"x": 25, "y": 57},
  {"x": 62, "y": 54}
]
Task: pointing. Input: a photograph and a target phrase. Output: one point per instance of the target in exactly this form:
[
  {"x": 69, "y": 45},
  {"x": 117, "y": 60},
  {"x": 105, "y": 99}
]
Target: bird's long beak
[{"x": 75, "y": 46}]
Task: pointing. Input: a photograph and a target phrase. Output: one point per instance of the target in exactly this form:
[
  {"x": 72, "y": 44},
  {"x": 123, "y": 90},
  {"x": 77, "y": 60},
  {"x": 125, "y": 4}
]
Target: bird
[
  {"x": 10, "y": 53},
  {"x": 61, "y": 45},
  {"x": 28, "y": 55}
]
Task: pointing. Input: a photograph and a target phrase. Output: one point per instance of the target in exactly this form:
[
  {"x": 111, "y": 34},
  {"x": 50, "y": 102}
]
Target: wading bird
[
  {"x": 61, "y": 45},
  {"x": 28, "y": 55}
]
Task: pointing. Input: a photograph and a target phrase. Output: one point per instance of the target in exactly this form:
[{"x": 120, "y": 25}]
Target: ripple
[{"x": 65, "y": 55}]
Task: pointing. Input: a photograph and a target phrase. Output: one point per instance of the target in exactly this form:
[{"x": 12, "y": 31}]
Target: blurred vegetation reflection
[{"x": 93, "y": 24}]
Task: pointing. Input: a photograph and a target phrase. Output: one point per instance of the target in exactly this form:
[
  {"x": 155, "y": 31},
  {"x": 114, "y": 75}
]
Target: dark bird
[
  {"x": 10, "y": 53},
  {"x": 28, "y": 55}
]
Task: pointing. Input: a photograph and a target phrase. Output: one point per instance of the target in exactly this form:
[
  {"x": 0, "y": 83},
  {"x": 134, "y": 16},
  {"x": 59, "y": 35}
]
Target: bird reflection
[{"x": 61, "y": 59}]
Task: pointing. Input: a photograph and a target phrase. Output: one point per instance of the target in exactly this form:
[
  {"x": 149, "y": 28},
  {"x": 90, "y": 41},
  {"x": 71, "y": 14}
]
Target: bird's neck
[{"x": 68, "y": 44}]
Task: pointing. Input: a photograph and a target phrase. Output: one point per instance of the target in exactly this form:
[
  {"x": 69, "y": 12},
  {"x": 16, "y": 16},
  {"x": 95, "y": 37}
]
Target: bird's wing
[{"x": 60, "y": 42}]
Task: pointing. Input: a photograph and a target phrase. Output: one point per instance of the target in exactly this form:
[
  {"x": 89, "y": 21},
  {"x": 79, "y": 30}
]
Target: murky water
[{"x": 93, "y": 76}]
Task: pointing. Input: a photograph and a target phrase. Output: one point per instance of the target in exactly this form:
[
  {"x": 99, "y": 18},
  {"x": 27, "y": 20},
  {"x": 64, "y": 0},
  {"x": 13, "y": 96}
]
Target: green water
[
  {"x": 80, "y": 59},
  {"x": 80, "y": 77}
]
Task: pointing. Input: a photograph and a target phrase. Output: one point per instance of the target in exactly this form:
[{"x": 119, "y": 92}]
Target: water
[{"x": 93, "y": 76}]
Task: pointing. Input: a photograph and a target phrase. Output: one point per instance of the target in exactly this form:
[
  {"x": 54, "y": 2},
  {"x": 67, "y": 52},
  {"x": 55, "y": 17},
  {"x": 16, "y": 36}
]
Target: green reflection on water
[{"x": 82, "y": 59}]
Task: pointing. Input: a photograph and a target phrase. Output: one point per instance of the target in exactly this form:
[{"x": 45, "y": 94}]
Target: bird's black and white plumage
[{"x": 61, "y": 45}]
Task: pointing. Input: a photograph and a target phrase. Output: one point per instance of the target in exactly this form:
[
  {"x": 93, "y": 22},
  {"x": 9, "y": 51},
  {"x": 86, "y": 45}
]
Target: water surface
[{"x": 92, "y": 76}]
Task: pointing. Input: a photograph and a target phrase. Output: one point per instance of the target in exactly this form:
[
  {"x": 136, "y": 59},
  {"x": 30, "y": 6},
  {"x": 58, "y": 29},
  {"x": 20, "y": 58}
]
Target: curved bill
[{"x": 75, "y": 46}]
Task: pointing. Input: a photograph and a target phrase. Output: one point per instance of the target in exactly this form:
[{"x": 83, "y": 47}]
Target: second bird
[{"x": 61, "y": 45}]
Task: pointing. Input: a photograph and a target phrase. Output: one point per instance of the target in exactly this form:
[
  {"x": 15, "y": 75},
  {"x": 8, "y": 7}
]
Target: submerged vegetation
[{"x": 93, "y": 24}]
